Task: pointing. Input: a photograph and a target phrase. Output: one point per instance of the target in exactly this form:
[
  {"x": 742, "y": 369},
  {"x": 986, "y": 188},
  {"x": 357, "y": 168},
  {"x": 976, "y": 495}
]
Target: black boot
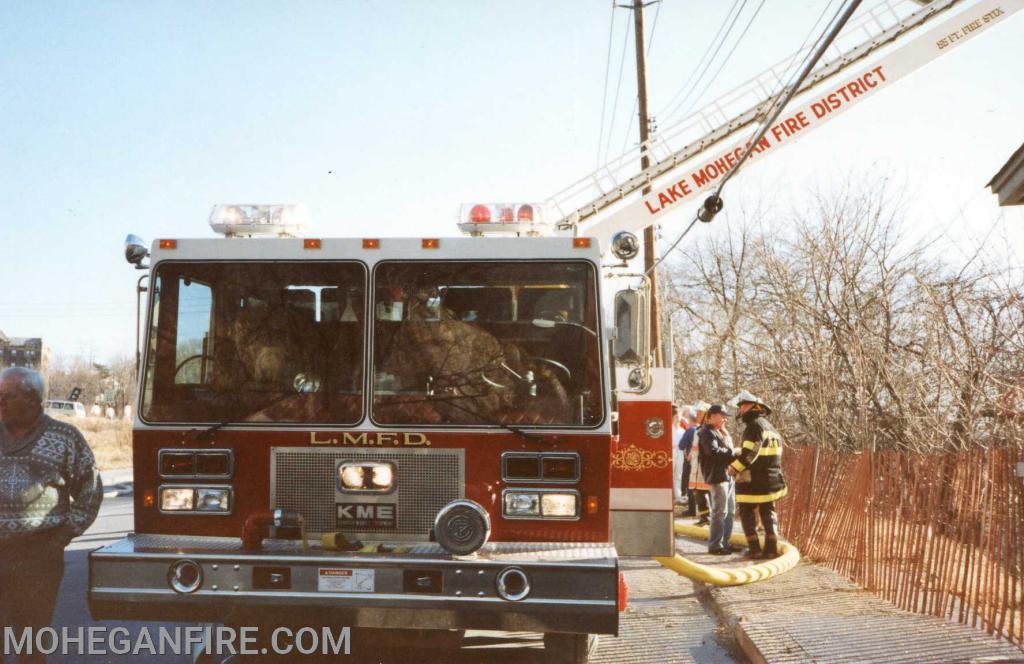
[
  {"x": 771, "y": 548},
  {"x": 753, "y": 548}
]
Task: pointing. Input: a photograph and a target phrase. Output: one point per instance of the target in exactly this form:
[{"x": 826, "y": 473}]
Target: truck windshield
[
  {"x": 256, "y": 341},
  {"x": 486, "y": 343}
]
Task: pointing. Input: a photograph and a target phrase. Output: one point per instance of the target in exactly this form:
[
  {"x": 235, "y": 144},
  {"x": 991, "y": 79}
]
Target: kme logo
[{"x": 367, "y": 515}]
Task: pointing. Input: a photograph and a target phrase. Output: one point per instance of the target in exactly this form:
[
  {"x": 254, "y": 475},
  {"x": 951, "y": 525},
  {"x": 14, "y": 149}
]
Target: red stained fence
[{"x": 939, "y": 534}]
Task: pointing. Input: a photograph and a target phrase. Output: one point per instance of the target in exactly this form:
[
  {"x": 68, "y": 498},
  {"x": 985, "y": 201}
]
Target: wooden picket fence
[{"x": 938, "y": 534}]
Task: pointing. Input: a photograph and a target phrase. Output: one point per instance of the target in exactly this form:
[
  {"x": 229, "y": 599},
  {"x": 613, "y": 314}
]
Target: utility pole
[{"x": 649, "y": 250}]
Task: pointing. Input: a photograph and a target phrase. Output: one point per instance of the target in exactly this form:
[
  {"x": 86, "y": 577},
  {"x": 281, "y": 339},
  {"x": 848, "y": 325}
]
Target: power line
[
  {"x": 725, "y": 61},
  {"x": 618, "y": 87},
  {"x": 604, "y": 95},
  {"x": 703, "y": 66}
]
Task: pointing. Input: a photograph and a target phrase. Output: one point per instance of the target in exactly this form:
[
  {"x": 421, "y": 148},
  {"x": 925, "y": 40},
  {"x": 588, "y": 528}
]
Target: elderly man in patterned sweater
[{"x": 50, "y": 492}]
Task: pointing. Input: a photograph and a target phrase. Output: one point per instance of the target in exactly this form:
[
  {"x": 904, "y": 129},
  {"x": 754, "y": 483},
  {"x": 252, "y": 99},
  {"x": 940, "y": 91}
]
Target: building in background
[
  {"x": 1008, "y": 183},
  {"x": 24, "y": 352}
]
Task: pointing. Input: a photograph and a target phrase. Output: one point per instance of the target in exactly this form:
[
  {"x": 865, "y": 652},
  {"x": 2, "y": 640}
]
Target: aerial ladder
[
  {"x": 693, "y": 156},
  {"x": 698, "y": 153}
]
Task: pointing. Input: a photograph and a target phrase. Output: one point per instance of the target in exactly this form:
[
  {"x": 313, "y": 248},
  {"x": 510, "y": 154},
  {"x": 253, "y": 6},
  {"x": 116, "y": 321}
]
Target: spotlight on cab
[{"x": 625, "y": 245}]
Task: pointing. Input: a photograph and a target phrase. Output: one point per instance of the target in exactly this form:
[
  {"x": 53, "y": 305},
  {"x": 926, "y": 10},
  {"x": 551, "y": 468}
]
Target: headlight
[
  {"x": 366, "y": 476},
  {"x": 559, "y": 504},
  {"x": 540, "y": 504},
  {"x": 213, "y": 500},
  {"x": 205, "y": 499},
  {"x": 382, "y": 477},
  {"x": 177, "y": 499},
  {"x": 522, "y": 504},
  {"x": 352, "y": 477}
]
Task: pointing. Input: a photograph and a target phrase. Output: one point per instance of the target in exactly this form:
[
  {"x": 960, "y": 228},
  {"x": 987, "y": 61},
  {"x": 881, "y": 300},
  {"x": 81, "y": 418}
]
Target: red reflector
[
  {"x": 506, "y": 215},
  {"x": 371, "y": 243},
  {"x": 431, "y": 243},
  {"x": 168, "y": 244},
  {"x": 623, "y": 592},
  {"x": 581, "y": 243},
  {"x": 525, "y": 213},
  {"x": 480, "y": 214},
  {"x": 310, "y": 243},
  {"x": 148, "y": 498},
  {"x": 591, "y": 504},
  {"x": 177, "y": 463}
]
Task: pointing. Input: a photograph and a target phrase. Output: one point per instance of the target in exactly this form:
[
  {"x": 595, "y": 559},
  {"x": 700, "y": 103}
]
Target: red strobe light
[
  {"x": 525, "y": 213},
  {"x": 506, "y": 215},
  {"x": 480, "y": 214}
]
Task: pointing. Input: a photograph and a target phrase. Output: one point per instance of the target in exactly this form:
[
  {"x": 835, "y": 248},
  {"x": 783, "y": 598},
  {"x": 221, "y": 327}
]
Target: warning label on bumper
[{"x": 336, "y": 580}]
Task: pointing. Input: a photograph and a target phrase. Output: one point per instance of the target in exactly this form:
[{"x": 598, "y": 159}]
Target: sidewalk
[{"x": 812, "y": 614}]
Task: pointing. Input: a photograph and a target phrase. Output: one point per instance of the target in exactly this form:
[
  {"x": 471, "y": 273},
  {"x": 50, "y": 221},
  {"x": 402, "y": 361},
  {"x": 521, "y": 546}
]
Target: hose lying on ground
[{"x": 720, "y": 576}]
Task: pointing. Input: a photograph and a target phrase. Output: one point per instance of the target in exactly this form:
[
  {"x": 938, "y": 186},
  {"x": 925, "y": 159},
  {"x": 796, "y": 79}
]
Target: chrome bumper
[{"x": 573, "y": 587}]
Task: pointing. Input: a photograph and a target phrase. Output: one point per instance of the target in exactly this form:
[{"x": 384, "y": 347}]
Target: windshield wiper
[{"x": 207, "y": 434}]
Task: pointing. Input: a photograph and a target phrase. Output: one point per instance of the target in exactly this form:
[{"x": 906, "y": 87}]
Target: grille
[{"x": 304, "y": 480}]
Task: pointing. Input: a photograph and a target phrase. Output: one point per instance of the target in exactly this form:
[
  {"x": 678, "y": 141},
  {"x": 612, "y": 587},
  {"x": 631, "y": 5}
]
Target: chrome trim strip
[{"x": 333, "y": 597}]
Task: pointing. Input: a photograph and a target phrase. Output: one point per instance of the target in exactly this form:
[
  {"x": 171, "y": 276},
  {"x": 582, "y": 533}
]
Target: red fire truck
[{"x": 390, "y": 433}]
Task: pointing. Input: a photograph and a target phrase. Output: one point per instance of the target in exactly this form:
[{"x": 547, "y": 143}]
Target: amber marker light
[
  {"x": 311, "y": 243},
  {"x": 581, "y": 243},
  {"x": 148, "y": 498},
  {"x": 168, "y": 244},
  {"x": 431, "y": 243},
  {"x": 591, "y": 504},
  {"x": 371, "y": 243}
]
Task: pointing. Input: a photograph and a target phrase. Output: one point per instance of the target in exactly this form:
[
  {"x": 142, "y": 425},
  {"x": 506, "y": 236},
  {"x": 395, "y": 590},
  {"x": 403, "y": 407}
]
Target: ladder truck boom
[{"x": 677, "y": 176}]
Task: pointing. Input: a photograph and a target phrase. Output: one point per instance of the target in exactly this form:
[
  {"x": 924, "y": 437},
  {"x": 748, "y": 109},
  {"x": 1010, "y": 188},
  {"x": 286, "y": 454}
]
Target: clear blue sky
[{"x": 383, "y": 116}]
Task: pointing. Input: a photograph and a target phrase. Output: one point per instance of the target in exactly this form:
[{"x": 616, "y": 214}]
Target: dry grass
[{"x": 110, "y": 440}]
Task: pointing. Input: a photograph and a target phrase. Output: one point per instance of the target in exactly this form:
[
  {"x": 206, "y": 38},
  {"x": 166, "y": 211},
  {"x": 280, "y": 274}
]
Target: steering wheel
[
  {"x": 190, "y": 358},
  {"x": 554, "y": 363}
]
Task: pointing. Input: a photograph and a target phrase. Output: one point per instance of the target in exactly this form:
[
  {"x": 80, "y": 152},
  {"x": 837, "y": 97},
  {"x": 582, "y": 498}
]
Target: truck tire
[{"x": 569, "y": 648}]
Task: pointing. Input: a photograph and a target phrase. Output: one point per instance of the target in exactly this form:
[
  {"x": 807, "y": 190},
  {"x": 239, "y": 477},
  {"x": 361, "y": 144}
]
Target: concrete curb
[{"x": 730, "y": 621}]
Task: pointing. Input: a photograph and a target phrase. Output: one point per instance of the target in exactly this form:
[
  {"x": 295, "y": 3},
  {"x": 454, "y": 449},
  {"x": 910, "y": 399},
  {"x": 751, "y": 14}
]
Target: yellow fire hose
[{"x": 720, "y": 576}]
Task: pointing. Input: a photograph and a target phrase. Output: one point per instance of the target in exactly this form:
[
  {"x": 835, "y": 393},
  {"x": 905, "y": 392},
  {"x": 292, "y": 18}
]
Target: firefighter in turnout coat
[{"x": 758, "y": 472}]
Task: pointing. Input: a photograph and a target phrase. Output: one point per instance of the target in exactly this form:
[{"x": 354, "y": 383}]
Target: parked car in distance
[{"x": 66, "y": 408}]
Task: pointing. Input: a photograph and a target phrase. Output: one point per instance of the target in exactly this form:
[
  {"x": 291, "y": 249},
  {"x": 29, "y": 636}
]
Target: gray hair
[{"x": 31, "y": 381}]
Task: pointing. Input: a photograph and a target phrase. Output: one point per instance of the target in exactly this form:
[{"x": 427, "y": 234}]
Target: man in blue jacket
[{"x": 716, "y": 453}]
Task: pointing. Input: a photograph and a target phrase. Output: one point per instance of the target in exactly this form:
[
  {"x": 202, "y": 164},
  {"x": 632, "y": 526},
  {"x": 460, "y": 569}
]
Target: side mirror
[
  {"x": 135, "y": 251},
  {"x": 632, "y": 344}
]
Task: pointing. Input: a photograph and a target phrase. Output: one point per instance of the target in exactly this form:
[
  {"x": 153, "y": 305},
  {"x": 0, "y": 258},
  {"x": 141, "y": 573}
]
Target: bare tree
[{"x": 863, "y": 340}]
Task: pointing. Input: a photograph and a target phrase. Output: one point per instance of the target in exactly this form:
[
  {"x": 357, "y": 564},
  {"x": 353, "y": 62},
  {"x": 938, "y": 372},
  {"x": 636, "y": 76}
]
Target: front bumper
[{"x": 573, "y": 587}]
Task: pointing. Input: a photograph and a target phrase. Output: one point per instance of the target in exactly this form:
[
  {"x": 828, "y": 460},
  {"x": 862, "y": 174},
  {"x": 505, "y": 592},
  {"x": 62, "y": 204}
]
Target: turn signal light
[
  {"x": 168, "y": 244},
  {"x": 560, "y": 468}
]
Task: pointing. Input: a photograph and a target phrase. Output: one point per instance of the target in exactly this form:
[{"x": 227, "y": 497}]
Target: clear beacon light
[{"x": 246, "y": 219}]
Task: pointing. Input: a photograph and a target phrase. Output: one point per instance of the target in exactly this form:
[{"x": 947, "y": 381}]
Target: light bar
[
  {"x": 281, "y": 220},
  {"x": 493, "y": 218}
]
